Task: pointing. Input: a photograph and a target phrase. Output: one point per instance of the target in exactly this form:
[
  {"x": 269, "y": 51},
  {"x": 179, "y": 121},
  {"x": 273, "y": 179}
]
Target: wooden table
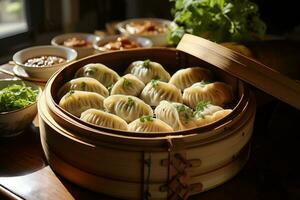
[{"x": 272, "y": 171}]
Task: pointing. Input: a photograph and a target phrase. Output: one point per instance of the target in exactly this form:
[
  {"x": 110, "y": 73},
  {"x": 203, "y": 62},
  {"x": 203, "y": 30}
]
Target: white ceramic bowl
[
  {"x": 82, "y": 51},
  {"x": 142, "y": 41},
  {"x": 45, "y": 72},
  {"x": 159, "y": 39},
  {"x": 14, "y": 122}
]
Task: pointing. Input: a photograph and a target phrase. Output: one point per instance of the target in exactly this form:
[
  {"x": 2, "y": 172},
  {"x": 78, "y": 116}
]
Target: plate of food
[
  {"x": 121, "y": 42},
  {"x": 153, "y": 28},
  {"x": 81, "y": 42}
]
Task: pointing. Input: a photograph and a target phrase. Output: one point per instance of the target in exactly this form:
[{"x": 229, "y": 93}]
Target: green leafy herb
[
  {"x": 147, "y": 64},
  {"x": 103, "y": 109},
  {"x": 130, "y": 102},
  {"x": 109, "y": 88},
  {"x": 127, "y": 83},
  {"x": 154, "y": 82},
  {"x": 205, "y": 82},
  {"x": 184, "y": 111},
  {"x": 145, "y": 118},
  {"x": 15, "y": 96},
  {"x": 181, "y": 108},
  {"x": 90, "y": 71},
  {"x": 70, "y": 93},
  {"x": 83, "y": 85},
  {"x": 217, "y": 20},
  {"x": 202, "y": 83},
  {"x": 200, "y": 108}
]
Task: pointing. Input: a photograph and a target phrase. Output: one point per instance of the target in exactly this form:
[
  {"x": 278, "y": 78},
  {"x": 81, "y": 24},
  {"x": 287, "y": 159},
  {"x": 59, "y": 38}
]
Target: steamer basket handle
[{"x": 244, "y": 68}]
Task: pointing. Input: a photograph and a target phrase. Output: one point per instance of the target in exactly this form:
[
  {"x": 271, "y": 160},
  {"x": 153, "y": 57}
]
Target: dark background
[{"x": 45, "y": 19}]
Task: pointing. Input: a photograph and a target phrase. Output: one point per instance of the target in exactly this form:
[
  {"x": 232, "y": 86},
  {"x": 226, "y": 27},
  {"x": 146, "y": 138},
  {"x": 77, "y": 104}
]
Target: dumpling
[
  {"x": 102, "y": 118},
  {"x": 217, "y": 93},
  {"x": 76, "y": 102},
  {"x": 128, "y": 85},
  {"x": 184, "y": 78},
  {"x": 206, "y": 113},
  {"x": 212, "y": 118},
  {"x": 149, "y": 124},
  {"x": 147, "y": 70},
  {"x": 127, "y": 107},
  {"x": 84, "y": 84},
  {"x": 205, "y": 108},
  {"x": 99, "y": 72},
  {"x": 177, "y": 115},
  {"x": 156, "y": 91}
]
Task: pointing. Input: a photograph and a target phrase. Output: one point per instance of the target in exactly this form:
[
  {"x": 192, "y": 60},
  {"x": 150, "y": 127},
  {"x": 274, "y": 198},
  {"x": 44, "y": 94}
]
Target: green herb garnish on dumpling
[
  {"x": 146, "y": 118},
  {"x": 146, "y": 63},
  {"x": 130, "y": 102},
  {"x": 200, "y": 108},
  {"x": 154, "y": 82}
]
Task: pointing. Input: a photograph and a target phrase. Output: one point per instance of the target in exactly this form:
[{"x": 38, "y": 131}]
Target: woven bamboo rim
[{"x": 91, "y": 134}]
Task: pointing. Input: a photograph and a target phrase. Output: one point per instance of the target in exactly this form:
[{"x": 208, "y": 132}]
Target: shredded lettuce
[{"x": 15, "y": 96}]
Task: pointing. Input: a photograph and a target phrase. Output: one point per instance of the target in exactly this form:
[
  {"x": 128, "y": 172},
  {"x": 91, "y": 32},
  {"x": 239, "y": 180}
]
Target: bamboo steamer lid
[{"x": 246, "y": 69}]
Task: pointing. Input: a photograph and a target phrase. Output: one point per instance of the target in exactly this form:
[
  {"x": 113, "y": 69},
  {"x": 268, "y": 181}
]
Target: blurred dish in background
[
  {"x": 76, "y": 42},
  {"x": 152, "y": 28},
  {"x": 147, "y": 27},
  {"x": 41, "y": 62},
  {"x": 119, "y": 42},
  {"x": 81, "y": 42},
  {"x": 44, "y": 61}
]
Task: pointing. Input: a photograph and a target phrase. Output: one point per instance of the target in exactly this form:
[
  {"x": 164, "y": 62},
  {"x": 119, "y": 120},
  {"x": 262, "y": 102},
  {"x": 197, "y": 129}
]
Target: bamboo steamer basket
[{"x": 148, "y": 166}]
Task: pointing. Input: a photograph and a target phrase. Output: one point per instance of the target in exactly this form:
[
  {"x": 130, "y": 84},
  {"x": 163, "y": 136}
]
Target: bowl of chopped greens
[{"x": 17, "y": 106}]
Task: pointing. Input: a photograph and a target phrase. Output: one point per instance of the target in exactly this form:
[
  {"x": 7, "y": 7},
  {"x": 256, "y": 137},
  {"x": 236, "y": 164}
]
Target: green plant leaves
[{"x": 217, "y": 20}]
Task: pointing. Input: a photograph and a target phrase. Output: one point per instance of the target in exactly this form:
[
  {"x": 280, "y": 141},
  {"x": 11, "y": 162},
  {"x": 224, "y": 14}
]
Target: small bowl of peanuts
[{"x": 42, "y": 62}]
